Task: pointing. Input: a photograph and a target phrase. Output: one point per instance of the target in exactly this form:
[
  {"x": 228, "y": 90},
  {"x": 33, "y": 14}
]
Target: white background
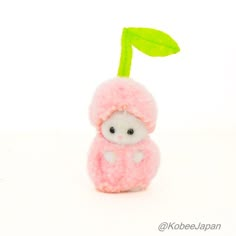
[{"x": 53, "y": 54}]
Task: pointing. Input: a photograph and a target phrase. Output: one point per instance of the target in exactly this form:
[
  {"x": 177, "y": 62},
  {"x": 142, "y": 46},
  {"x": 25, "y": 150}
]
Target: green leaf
[
  {"x": 152, "y": 42},
  {"x": 149, "y": 41}
]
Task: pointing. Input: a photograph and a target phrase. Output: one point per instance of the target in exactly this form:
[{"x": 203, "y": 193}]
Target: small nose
[{"x": 119, "y": 137}]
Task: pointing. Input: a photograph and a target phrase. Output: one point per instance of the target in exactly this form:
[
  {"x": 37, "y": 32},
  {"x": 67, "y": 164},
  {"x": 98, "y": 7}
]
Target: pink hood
[{"x": 123, "y": 94}]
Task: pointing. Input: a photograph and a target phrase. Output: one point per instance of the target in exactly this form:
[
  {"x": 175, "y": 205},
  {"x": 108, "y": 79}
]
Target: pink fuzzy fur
[
  {"x": 123, "y": 94},
  {"x": 124, "y": 174}
]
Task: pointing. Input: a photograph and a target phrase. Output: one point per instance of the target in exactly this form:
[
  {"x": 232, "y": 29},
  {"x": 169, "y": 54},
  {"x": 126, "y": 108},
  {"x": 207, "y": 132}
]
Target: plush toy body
[
  {"x": 122, "y": 156},
  {"x": 119, "y": 168}
]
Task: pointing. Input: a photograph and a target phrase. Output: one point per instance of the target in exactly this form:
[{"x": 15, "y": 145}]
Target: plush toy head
[
  {"x": 123, "y": 95},
  {"x": 123, "y": 128}
]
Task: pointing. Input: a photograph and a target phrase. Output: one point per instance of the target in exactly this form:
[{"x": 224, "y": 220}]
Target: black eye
[
  {"x": 112, "y": 130},
  {"x": 130, "y": 131}
]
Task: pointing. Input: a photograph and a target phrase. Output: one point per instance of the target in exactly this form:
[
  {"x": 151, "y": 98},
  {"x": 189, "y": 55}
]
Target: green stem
[{"x": 126, "y": 55}]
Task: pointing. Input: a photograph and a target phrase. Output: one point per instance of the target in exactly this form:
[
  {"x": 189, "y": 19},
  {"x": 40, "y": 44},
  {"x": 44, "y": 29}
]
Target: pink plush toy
[{"x": 122, "y": 156}]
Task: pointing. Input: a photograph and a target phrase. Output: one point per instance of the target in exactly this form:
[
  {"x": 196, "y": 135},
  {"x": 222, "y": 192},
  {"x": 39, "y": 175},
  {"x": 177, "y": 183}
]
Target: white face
[{"x": 124, "y": 128}]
